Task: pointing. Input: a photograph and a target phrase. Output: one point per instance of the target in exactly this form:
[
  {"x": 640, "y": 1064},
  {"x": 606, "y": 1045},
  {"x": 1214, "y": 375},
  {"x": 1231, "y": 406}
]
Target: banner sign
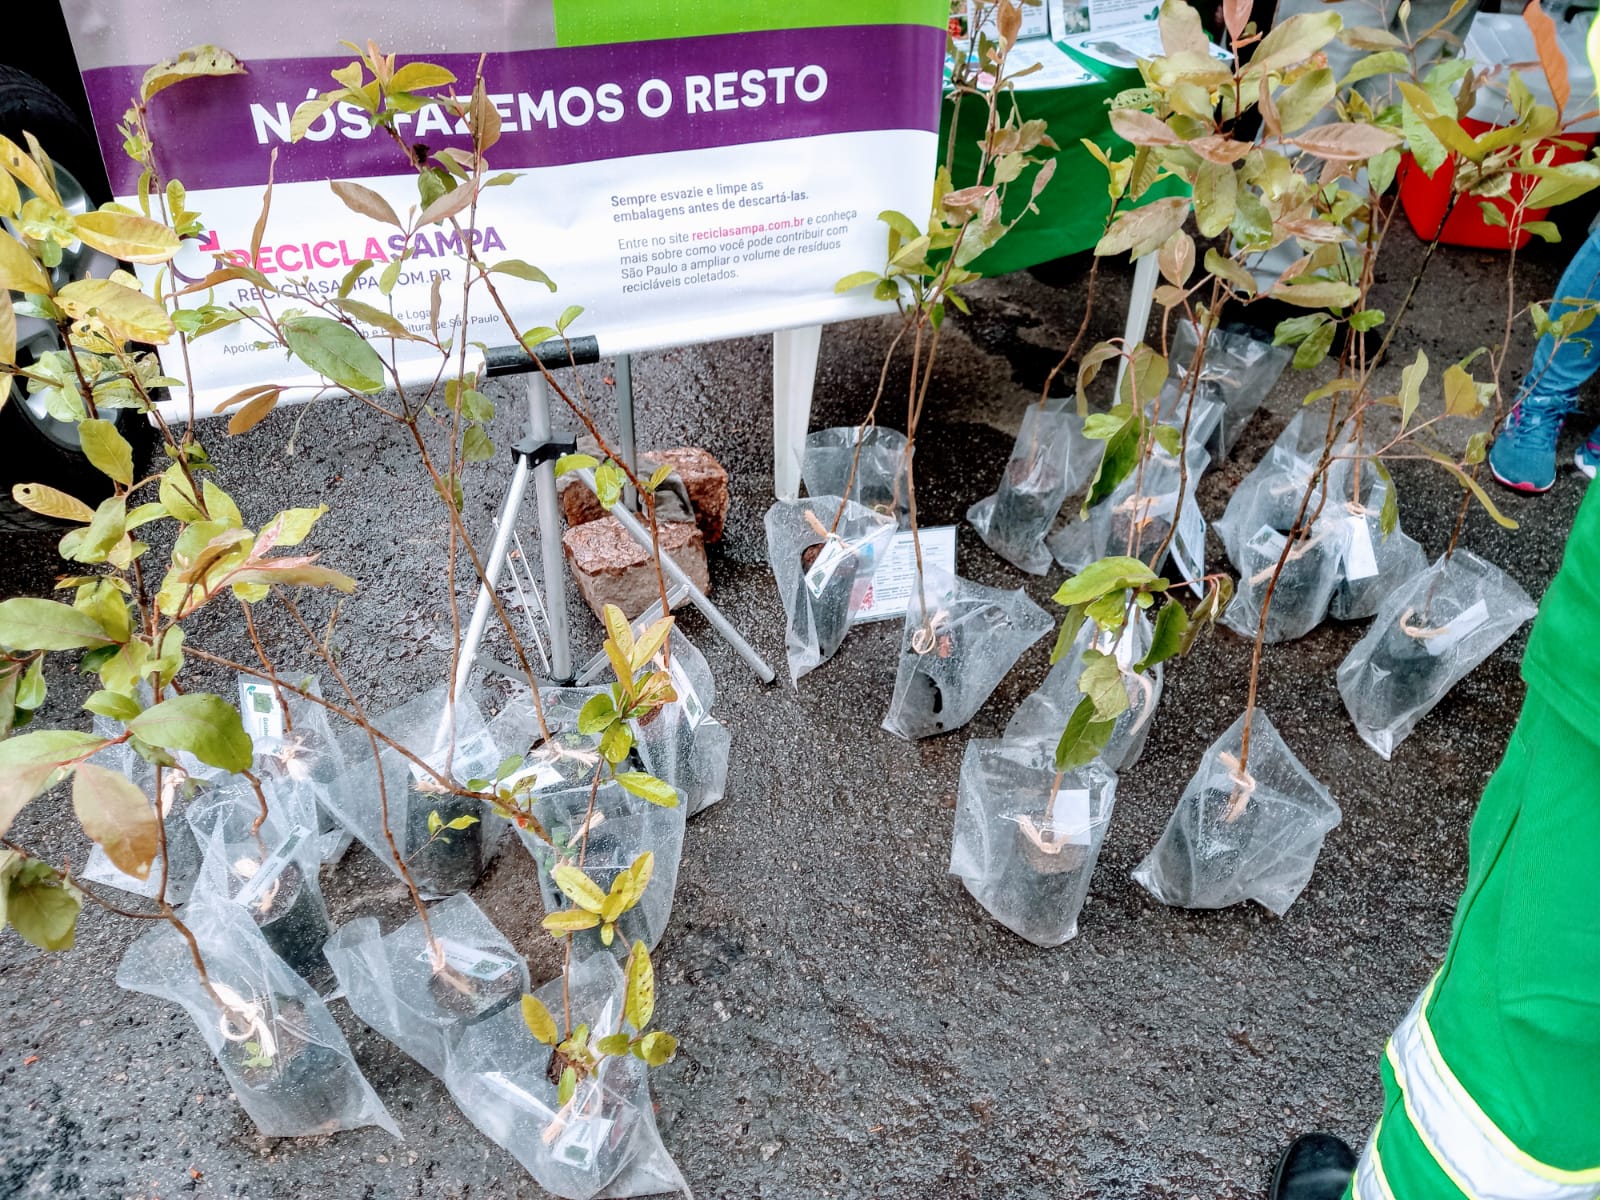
[{"x": 687, "y": 170}]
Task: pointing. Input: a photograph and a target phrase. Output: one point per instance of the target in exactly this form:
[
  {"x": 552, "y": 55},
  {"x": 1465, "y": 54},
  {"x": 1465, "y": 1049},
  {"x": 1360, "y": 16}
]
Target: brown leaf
[
  {"x": 1551, "y": 59},
  {"x": 1346, "y": 142},
  {"x": 365, "y": 201},
  {"x": 1220, "y": 149},
  {"x": 447, "y": 205},
  {"x": 1141, "y": 128},
  {"x": 117, "y": 816},
  {"x": 254, "y": 412}
]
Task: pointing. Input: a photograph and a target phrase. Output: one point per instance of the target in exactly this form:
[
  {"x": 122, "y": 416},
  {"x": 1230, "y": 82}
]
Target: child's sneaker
[
  {"x": 1523, "y": 456},
  {"x": 1588, "y": 456}
]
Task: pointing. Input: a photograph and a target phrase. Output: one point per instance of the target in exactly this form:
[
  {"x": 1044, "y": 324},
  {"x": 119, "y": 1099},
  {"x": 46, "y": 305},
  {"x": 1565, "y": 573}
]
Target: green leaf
[
  {"x": 1084, "y": 737},
  {"x": 127, "y": 313},
  {"x": 27, "y": 623},
  {"x": 656, "y": 1048},
  {"x": 856, "y": 279},
  {"x": 114, "y": 705},
  {"x": 575, "y": 462},
  {"x": 1108, "y": 575},
  {"x": 18, "y": 270},
  {"x": 1070, "y": 624},
  {"x": 1411, "y": 387},
  {"x": 377, "y": 317},
  {"x": 1117, "y": 462},
  {"x": 197, "y": 62},
  {"x": 568, "y": 315},
  {"x": 42, "y": 909},
  {"x": 1168, "y": 638},
  {"x": 648, "y": 787},
  {"x": 568, "y": 1086},
  {"x": 1315, "y": 348},
  {"x": 117, "y": 816},
  {"x": 570, "y": 921},
  {"x": 1472, "y": 485},
  {"x": 126, "y": 236},
  {"x": 579, "y": 888},
  {"x": 539, "y": 1021},
  {"x": 614, "y": 1045},
  {"x": 435, "y": 823},
  {"x": 1293, "y": 330},
  {"x": 1101, "y": 681},
  {"x": 107, "y": 450},
  {"x": 476, "y": 445},
  {"x": 1304, "y": 99},
  {"x": 597, "y": 714},
  {"x": 415, "y": 76},
  {"x": 615, "y": 743},
  {"x": 335, "y": 351},
  {"x": 640, "y": 1002},
  {"x": 1366, "y": 319},
  {"x": 466, "y": 821},
  {"x": 629, "y": 886},
  {"x": 205, "y": 725},
  {"x": 1230, "y": 272},
  {"x": 608, "y": 483},
  {"x": 1461, "y": 398},
  {"x": 518, "y": 269}
]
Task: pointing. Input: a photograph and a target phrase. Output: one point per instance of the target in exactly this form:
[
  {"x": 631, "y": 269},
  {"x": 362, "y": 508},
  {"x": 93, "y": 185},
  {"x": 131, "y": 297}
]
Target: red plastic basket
[{"x": 1427, "y": 197}]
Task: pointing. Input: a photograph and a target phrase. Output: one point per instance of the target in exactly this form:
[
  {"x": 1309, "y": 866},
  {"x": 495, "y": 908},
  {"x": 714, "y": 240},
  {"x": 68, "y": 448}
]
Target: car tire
[{"x": 33, "y": 447}]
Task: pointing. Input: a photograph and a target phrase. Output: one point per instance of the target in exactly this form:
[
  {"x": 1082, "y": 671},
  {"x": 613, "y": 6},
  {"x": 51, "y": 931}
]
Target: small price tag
[
  {"x": 1360, "y": 559},
  {"x": 271, "y": 867},
  {"x": 263, "y": 715},
  {"x": 1452, "y": 634},
  {"x": 1069, "y": 819},
  {"x": 469, "y": 960}
]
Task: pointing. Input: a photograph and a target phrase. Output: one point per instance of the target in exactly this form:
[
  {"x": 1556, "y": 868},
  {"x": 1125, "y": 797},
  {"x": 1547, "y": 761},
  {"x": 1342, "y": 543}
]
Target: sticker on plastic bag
[
  {"x": 263, "y": 715},
  {"x": 271, "y": 867},
  {"x": 469, "y": 960},
  {"x": 1451, "y": 635},
  {"x": 834, "y": 552},
  {"x": 693, "y": 711},
  {"x": 1360, "y": 559},
  {"x": 1069, "y": 819}
]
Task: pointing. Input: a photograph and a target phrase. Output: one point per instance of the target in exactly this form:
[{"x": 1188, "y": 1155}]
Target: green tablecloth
[{"x": 1072, "y": 208}]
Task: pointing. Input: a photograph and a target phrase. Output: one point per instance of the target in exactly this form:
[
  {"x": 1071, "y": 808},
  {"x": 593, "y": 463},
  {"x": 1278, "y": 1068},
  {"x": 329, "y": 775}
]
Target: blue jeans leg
[{"x": 1558, "y": 371}]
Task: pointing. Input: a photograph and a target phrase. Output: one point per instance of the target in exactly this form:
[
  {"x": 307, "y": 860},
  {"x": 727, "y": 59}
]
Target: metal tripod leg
[{"x": 555, "y": 599}]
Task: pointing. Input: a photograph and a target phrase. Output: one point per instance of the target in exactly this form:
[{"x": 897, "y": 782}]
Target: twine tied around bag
[
  {"x": 926, "y": 639},
  {"x": 1298, "y": 550},
  {"x": 1244, "y": 785},
  {"x": 250, "y": 1014},
  {"x": 1420, "y": 632}
]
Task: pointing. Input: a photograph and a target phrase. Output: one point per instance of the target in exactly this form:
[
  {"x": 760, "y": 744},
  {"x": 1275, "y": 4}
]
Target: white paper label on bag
[
  {"x": 1189, "y": 544},
  {"x": 693, "y": 711},
  {"x": 263, "y": 715},
  {"x": 832, "y": 555},
  {"x": 469, "y": 960},
  {"x": 889, "y": 593},
  {"x": 271, "y": 867},
  {"x": 1069, "y": 819},
  {"x": 1360, "y": 559},
  {"x": 1268, "y": 543},
  {"x": 1451, "y": 635}
]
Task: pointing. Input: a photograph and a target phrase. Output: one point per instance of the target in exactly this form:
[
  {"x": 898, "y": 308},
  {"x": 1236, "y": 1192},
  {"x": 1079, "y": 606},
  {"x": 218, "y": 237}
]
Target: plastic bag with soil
[
  {"x": 1430, "y": 633},
  {"x": 879, "y": 482},
  {"x": 423, "y": 995},
  {"x": 179, "y": 790},
  {"x": 684, "y": 744},
  {"x": 268, "y": 866},
  {"x": 823, "y": 573},
  {"x": 1136, "y": 518},
  {"x": 1236, "y": 836},
  {"x": 279, "y": 1048},
  {"x": 1305, "y": 586},
  {"x": 1374, "y": 565},
  {"x": 621, "y": 827},
  {"x": 1026, "y": 840},
  {"x": 603, "y": 1141},
  {"x": 1041, "y": 719},
  {"x": 1271, "y": 494},
  {"x": 442, "y": 860},
  {"x": 960, "y": 640},
  {"x": 1238, "y": 372},
  {"x": 1050, "y": 460},
  {"x": 295, "y": 746}
]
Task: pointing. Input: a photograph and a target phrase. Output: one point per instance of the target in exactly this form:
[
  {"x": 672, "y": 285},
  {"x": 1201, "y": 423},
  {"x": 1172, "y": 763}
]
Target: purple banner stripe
[{"x": 578, "y": 104}]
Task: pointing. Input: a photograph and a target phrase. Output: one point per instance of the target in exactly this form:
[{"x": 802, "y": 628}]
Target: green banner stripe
[{"x": 603, "y": 22}]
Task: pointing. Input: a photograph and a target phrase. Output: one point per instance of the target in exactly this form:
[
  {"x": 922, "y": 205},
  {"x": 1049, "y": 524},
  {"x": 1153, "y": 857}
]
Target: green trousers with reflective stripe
[{"x": 1516, "y": 1007}]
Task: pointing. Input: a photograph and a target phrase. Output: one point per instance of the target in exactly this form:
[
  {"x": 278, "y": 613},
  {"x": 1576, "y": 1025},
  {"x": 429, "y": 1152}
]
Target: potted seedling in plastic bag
[
  {"x": 1428, "y": 635},
  {"x": 1300, "y": 583},
  {"x": 571, "y": 1102},
  {"x": 1027, "y": 835},
  {"x": 425, "y": 982},
  {"x": 1379, "y": 557},
  {"x": 1243, "y": 829},
  {"x": 178, "y": 790},
  {"x": 1050, "y": 460},
  {"x": 266, "y": 861},
  {"x": 960, "y": 640},
  {"x": 823, "y": 553},
  {"x": 277, "y": 1044},
  {"x": 296, "y": 747},
  {"x": 863, "y": 463},
  {"x": 1238, "y": 371}
]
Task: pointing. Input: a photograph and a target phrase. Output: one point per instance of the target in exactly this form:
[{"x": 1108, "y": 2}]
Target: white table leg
[{"x": 794, "y": 375}]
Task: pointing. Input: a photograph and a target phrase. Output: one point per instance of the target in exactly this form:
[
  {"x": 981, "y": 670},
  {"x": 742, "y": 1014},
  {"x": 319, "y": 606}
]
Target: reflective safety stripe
[
  {"x": 1480, "y": 1159},
  {"x": 1369, "y": 1182}
]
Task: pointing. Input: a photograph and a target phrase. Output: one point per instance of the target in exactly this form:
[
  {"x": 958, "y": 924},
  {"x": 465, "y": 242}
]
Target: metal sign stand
[{"x": 535, "y": 457}]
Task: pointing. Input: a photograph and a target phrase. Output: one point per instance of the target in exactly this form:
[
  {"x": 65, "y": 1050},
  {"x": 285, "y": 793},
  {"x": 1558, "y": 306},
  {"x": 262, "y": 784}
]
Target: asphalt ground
[{"x": 852, "y": 1024}]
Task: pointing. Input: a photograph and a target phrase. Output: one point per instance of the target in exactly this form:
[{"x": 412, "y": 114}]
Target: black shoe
[{"x": 1316, "y": 1166}]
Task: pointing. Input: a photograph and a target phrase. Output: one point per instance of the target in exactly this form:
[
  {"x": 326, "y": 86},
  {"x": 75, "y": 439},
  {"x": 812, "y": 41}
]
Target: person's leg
[
  {"x": 1524, "y": 454},
  {"x": 1492, "y": 1082}
]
